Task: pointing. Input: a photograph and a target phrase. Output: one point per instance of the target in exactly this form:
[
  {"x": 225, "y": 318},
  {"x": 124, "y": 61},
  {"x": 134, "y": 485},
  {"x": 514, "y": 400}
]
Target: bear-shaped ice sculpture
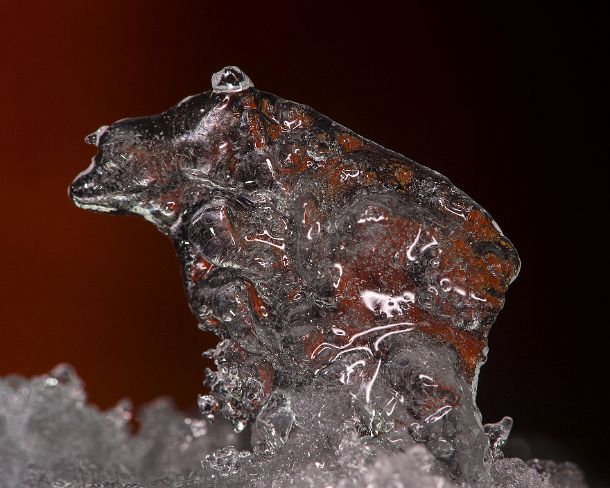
[{"x": 331, "y": 268}]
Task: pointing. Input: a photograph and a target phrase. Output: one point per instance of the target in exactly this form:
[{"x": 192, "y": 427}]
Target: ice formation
[{"x": 352, "y": 289}]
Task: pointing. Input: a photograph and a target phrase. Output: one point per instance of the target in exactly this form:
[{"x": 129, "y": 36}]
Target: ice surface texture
[
  {"x": 49, "y": 437},
  {"x": 353, "y": 289}
]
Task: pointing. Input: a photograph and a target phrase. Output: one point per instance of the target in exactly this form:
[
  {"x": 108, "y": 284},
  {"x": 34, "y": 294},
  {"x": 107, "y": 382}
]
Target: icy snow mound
[{"x": 50, "y": 437}]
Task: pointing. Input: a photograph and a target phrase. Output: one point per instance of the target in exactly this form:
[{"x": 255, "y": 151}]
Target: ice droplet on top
[{"x": 230, "y": 79}]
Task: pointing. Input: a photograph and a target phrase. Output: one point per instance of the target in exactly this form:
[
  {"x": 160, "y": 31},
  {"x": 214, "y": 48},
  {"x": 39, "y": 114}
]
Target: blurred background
[{"x": 500, "y": 97}]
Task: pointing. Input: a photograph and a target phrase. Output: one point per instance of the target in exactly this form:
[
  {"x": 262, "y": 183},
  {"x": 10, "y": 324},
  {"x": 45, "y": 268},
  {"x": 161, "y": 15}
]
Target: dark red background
[{"x": 497, "y": 96}]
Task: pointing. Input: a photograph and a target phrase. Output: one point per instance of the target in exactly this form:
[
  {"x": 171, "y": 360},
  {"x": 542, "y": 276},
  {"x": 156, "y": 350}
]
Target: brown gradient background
[{"x": 498, "y": 98}]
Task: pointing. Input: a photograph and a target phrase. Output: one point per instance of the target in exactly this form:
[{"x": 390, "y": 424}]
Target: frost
[{"x": 50, "y": 437}]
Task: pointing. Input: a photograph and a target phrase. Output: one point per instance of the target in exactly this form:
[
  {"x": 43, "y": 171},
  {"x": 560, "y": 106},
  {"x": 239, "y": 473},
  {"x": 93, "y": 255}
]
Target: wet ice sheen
[{"x": 353, "y": 291}]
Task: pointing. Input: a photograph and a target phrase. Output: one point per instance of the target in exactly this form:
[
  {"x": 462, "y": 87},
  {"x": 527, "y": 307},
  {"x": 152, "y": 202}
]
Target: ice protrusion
[
  {"x": 498, "y": 435},
  {"x": 274, "y": 422}
]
